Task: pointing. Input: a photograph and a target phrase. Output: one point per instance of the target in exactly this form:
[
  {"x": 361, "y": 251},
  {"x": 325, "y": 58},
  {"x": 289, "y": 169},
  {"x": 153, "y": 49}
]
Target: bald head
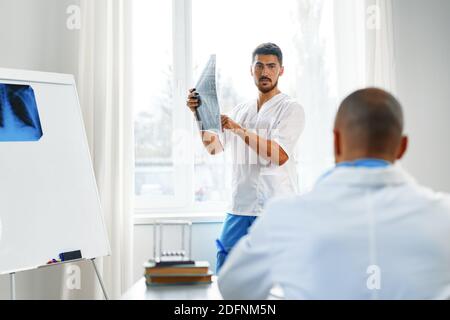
[{"x": 369, "y": 124}]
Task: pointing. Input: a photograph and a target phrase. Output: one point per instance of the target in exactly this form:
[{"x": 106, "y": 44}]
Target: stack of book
[{"x": 177, "y": 272}]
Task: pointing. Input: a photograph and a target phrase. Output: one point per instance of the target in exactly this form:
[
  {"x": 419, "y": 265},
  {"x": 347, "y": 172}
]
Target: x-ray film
[
  {"x": 208, "y": 113},
  {"x": 19, "y": 117}
]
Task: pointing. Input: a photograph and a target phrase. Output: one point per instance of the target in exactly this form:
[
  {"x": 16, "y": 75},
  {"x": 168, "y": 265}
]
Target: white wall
[
  {"x": 422, "y": 42},
  {"x": 34, "y": 36}
]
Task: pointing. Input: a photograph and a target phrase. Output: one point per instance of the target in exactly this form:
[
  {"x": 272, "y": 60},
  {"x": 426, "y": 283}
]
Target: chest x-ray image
[
  {"x": 19, "y": 117},
  {"x": 208, "y": 113}
]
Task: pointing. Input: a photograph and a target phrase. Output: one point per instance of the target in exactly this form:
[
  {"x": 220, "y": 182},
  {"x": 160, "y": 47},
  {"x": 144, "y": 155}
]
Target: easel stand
[
  {"x": 99, "y": 277},
  {"x": 13, "y": 286},
  {"x": 97, "y": 273}
]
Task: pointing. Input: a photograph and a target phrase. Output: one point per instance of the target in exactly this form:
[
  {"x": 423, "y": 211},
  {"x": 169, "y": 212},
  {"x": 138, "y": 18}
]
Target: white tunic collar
[
  {"x": 272, "y": 101},
  {"x": 370, "y": 177}
]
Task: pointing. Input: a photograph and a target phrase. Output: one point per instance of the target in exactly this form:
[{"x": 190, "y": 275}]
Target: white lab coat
[{"x": 361, "y": 233}]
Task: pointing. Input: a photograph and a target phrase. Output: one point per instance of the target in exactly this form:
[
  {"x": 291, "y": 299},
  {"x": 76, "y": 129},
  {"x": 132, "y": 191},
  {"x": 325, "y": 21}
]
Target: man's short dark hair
[
  {"x": 372, "y": 119},
  {"x": 268, "y": 49}
]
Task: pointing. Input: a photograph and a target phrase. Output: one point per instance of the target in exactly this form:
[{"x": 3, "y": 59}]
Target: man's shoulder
[
  {"x": 422, "y": 193},
  {"x": 242, "y": 107},
  {"x": 439, "y": 199},
  {"x": 290, "y": 101},
  {"x": 291, "y": 107}
]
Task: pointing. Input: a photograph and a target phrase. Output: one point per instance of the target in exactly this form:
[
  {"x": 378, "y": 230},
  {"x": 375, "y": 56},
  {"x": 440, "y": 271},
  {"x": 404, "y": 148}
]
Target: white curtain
[
  {"x": 380, "y": 62},
  {"x": 364, "y": 45},
  {"x": 104, "y": 86},
  {"x": 357, "y": 53}
]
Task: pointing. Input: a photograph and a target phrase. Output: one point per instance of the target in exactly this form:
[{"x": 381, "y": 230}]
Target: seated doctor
[{"x": 366, "y": 231}]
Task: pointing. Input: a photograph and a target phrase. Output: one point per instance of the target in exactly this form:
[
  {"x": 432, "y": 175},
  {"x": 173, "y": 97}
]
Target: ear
[
  {"x": 281, "y": 71},
  {"x": 402, "y": 148},
  {"x": 251, "y": 71},
  {"x": 337, "y": 145}
]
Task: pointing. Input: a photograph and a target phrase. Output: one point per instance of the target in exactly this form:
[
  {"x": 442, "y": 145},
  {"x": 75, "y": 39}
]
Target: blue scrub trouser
[{"x": 234, "y": 228}]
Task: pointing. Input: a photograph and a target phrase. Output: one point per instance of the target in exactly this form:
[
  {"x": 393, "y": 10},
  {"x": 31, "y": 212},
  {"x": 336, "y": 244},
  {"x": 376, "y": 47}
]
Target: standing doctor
[{"x": 262, "y": 135}]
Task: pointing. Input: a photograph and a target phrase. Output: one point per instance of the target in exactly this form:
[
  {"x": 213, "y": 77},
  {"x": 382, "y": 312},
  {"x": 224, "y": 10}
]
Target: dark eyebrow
[{"x": 268, "y": 64}]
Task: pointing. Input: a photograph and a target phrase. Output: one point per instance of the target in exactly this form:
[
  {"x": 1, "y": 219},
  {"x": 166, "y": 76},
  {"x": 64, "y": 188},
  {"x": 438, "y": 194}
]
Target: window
[
  {"x": 304, "y": 31},
  {"x": 153, "y": 96},
  {"x": 171, "y": 46}
]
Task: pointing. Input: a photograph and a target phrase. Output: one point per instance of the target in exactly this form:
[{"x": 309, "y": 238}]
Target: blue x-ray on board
[{"x": 19, "y": 116}]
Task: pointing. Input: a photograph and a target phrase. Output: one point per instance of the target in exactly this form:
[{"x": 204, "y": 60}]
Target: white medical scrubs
[{"x": 255, "y": 179}]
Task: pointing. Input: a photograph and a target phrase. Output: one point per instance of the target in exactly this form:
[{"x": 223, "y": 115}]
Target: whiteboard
[{"x": 49, "y": 202}]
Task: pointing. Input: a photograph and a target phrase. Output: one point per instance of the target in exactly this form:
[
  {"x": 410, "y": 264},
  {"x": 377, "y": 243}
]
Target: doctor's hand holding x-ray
[{"x": 267, "y": 149}]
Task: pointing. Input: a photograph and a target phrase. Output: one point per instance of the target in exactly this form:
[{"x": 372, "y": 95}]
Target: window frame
[{"x": 183, "y": 199}]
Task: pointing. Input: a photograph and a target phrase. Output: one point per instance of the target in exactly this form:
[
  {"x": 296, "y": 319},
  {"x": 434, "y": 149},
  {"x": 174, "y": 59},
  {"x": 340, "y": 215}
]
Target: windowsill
[{"x": 194, "y": 217}]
